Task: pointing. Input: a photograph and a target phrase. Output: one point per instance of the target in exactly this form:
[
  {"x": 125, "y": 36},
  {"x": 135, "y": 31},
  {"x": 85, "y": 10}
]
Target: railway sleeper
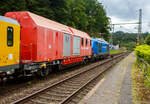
[
  {"x": 59, "y": 92},
  {"x": 75, "y": 101},
  {"x": 57, "y": 95},
  {"x": 64, "y": 89},
  {"x": 73, "y": 87},
  {"x": 52, "y": 98},
  {"x": 38, "y": 102},
  {"x": 68, "y": 88},
  {"x": 71, "y": 82}
]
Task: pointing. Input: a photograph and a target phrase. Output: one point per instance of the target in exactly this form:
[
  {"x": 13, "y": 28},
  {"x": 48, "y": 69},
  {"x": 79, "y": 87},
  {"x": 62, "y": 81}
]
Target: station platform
[{"x": 115, "y": 87}]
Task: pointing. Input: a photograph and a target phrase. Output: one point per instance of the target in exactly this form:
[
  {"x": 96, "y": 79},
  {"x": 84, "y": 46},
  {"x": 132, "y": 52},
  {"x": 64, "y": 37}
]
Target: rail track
[{"x": 62, "y": 92}]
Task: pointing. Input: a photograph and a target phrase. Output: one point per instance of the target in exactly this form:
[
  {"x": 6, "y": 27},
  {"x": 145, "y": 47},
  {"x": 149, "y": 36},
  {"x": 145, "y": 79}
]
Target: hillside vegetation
[
  {"x": 127, "y": 39},
  {"x": 85, "y": 15}
]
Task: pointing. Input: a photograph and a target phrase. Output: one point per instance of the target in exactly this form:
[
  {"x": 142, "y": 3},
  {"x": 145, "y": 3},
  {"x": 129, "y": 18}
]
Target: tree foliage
[
  {"x": 147, "y": 40},
  {"x": 126, "y": 39},
  {"x": 85, "y": 15},
  {"x": 143, "y": 51}
]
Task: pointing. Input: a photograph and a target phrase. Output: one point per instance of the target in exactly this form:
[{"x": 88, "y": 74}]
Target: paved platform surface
[{"x": 115, "y": 87}]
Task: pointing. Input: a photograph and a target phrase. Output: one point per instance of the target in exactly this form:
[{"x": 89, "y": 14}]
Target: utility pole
[
  {"x": 111, "y": 37},
  {"x": 113, "y": 29},
  {"x": 139, "y": 27}
]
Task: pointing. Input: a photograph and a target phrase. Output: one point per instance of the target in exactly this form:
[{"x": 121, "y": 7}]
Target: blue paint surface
[{"x": 99, "y": 47}]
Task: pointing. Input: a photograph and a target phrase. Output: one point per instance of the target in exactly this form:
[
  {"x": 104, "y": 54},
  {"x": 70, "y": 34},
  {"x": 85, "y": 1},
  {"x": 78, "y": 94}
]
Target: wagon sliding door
[
  {"x": 66, "y": 45},
  {"x": 76, "y": 45}
]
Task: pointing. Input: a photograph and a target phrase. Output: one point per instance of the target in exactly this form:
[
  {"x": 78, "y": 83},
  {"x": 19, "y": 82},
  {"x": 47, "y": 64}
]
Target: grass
[
  {"x": 140, "y": 91},
  {"x": 146, "y": 74},
  {"x": 115, "y": 51}
]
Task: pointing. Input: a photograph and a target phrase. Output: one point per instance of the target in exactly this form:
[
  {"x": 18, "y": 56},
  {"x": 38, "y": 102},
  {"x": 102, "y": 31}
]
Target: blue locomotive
[{"x": 100, "y": 48}]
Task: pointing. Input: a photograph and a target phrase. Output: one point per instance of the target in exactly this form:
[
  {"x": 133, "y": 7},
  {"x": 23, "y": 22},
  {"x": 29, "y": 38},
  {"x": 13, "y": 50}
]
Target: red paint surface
[{"x": 42, "y": 39}]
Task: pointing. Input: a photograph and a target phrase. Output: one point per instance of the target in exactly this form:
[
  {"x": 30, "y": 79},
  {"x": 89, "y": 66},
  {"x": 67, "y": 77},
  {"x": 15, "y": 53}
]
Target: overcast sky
[{"x": 122, "y": 11}]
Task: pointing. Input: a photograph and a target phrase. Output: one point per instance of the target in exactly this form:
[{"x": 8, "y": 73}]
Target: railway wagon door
[
  {"x": 66, "y": 45},
  {"x": 76, "y": 45}
]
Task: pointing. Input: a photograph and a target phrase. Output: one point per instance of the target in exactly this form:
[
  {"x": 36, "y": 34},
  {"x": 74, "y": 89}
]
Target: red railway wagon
[{"x": 46, "y": 43}]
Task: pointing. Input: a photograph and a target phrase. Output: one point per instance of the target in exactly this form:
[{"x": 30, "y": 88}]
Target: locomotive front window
[
  {"x": 99, "y": 45},
  {"x": 10, "y": 36},
  {"x": 96, "y": 44}
]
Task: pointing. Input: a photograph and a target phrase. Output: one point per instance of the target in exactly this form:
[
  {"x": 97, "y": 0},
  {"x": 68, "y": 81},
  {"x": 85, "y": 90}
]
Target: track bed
[{"x": 67, "y": 90}]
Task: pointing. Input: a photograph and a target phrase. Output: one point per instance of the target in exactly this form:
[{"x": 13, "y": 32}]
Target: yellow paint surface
[{"x": 9, "y": 55}]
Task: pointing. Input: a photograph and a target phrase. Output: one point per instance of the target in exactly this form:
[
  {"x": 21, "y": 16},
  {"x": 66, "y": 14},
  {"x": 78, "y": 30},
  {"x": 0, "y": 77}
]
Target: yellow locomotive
[{"x": 9, "y": 45}]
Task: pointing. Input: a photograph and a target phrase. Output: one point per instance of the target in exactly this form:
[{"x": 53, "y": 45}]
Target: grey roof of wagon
[
  {"x": 6, "y": 19},
  {"x": 44, "y": 22}
]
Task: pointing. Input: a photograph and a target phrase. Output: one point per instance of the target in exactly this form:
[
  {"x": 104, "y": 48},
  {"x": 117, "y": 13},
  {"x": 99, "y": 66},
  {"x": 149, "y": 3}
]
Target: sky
[{"x": 127, "y": 11}]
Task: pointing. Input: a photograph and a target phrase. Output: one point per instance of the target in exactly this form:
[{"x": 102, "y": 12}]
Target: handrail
[{"x": 141, "y": 63}]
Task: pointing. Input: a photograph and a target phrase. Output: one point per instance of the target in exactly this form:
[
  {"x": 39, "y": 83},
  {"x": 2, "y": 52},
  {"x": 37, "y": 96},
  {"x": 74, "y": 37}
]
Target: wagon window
[
  {"x": 10, "y": 36},
  {"x": 82, "y": 41},
  {"x": 86, "y": 41},
  {"x": 90, "y": 42}
]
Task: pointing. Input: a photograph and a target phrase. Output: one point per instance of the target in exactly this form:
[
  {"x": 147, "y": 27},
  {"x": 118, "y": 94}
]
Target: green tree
[
  {"x": 147, "y": 40},
  {"x": 62, "y": 10},
  {"x": 40, "y": 7},
  {"x": 78, "y": 16},
  {"x": 126, "y": 39},
  {"x": 12, "y": 5},
  {"x": 85, "y": 15},
  {"x": 98, "y": 21}
]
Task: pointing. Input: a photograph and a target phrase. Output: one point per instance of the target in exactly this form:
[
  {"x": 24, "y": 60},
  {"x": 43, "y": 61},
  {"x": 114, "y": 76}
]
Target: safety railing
[{"x": 144, "y": 67}]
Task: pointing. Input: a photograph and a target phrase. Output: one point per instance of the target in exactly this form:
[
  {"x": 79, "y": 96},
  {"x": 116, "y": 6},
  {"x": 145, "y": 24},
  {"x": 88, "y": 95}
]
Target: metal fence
[{"x": 144, "y": 67}]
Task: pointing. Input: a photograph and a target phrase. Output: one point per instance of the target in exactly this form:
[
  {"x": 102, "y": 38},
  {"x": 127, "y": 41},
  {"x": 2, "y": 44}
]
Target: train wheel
[
  {"x": 3, "y": 81},
  {"x": 85, "y": 62},
  {"x": 57, "y": 68},
  {"x": 60, "y": 67},
  {"x": 44, "y": 72}
]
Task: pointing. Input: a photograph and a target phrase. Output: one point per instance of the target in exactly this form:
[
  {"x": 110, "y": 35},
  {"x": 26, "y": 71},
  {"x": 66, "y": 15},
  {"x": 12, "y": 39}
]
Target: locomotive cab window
[
  {"x": 96, "y": 44},
  {"x": 10, "y": 36},
  {"x": 99, "y": 44}
]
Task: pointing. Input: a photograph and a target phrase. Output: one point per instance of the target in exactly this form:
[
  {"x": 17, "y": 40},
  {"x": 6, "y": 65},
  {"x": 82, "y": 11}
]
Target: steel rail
[
  {"x": 65, "y": 101},
  {"x": 66, "y": 79}
]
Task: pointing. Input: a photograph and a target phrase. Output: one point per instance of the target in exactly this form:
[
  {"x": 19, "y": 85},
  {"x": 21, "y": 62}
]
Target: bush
[
  {"x": 147, "y": 40},
  {"x": 143, "y": 51}
]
